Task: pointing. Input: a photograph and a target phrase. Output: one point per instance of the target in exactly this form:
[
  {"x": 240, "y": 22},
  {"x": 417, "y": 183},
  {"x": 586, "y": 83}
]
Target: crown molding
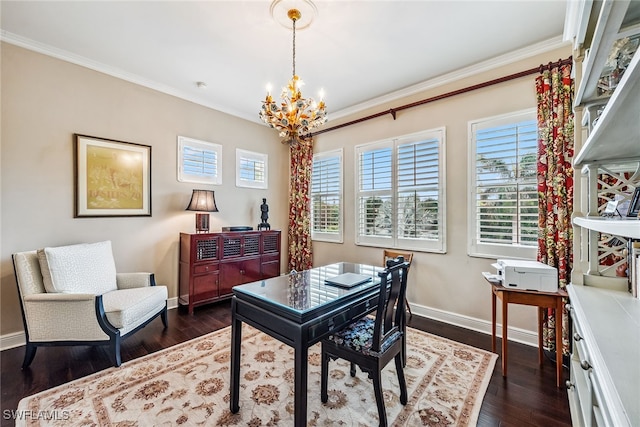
[
  {"x": 499, "y": 61},
  {"x": 67, "y": 56},
  {"x": 490, "y": 64}
]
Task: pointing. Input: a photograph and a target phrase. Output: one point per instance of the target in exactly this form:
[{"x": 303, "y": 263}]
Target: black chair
[{"x": 371, "y": 343}]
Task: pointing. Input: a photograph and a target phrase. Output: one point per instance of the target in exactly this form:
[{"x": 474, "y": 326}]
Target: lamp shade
[{"x": 202, "y": 201}]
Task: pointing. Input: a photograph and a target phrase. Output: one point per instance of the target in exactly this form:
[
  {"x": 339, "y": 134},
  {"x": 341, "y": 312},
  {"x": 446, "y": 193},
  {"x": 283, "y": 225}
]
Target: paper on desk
[{"x": 493, "y": 278}]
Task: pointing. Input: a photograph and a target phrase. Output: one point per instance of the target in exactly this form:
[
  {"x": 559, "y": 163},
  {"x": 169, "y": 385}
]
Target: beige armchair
[{"x": 72, "y": 295}]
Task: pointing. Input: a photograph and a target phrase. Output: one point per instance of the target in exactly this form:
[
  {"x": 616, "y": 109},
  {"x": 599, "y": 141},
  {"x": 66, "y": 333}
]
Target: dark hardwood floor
[{"x": 527, "y": 397}]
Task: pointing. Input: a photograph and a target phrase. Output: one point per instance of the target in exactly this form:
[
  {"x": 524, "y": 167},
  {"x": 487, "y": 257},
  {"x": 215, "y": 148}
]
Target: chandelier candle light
[{"x": 296, "y": 116}]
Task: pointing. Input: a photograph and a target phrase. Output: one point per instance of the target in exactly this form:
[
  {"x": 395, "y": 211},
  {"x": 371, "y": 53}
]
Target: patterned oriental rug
[{"x": 188, "y": 384}]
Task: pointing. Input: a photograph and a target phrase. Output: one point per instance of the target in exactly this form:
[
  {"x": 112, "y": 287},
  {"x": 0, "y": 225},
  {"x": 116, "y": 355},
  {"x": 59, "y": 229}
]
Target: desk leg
[
  {"x": 300, "y": 385},
  {"x": 505, "y": 304},
  {"x": 493, "y": 321},
  {"x": 559, "y": 347},
  {"x": 540, "y": 334},
  {"x": 236, "y": 341}
]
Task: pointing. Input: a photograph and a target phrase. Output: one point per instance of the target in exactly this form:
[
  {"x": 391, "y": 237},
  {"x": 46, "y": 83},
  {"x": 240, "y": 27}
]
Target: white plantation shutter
[
  {"x": 418, "y": 190},
  {"x": 401, "y": 192},
  {"x": 199, "y": 161},
  {"x": 326, "y": 196},
  {"x": 251, "y": 169},
  {"x": 374, "y": 192},
  {"x": 504, "y": 205}
]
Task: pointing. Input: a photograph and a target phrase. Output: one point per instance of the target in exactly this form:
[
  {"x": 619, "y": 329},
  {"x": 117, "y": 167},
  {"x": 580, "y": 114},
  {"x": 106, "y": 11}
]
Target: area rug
[{"x": 188, "y": 384}]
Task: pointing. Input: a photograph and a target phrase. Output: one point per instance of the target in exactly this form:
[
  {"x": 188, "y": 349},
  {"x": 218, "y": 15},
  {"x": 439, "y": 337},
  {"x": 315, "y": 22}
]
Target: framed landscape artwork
[{"x": 112, "y": 178}]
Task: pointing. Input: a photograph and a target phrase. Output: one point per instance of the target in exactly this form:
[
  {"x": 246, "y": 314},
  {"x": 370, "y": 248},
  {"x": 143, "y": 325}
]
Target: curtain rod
[{"x": 393, "y": 111}]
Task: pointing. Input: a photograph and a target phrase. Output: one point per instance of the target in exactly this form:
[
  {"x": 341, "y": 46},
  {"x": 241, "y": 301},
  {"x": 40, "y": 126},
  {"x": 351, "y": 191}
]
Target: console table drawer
[{"x": 206, "y": 268}]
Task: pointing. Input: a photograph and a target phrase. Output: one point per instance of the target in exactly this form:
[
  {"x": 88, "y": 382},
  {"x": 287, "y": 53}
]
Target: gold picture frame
[{"x": 112, "y": 178}]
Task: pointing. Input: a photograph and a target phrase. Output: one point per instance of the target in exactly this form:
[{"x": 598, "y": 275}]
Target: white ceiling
[{"x": 358, "y": 52}]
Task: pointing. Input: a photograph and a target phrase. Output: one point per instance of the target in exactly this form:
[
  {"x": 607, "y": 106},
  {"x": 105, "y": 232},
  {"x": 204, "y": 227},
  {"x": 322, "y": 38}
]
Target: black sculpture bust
[{"x": 264, "y": 208}]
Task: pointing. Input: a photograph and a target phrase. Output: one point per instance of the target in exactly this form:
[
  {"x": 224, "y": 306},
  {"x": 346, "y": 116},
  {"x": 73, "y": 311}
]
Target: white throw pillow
[{"x": 85, "y": 268}]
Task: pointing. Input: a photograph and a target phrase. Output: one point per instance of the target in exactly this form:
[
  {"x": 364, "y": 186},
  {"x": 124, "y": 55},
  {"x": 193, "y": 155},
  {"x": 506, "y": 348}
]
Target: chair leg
[
  {"x": 408, "y": 308},
  {"x": 401, "y": 381},
  {"x": 352, "y": 370},
  {"x": 377, "y": 388},
  {"x": 115, "y": 350},
  {"x": 404, "y": 339},
  {"x": 324, "y": 374},
  {"x": 29, "y": 354},
  {"x": 164, "y": 317}
]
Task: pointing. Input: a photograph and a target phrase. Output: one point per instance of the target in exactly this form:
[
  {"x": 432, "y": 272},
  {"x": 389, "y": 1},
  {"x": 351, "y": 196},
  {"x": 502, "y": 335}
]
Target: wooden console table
[
  {"x": 542, "y": 300},
  {"x": 211, "y": 264}
]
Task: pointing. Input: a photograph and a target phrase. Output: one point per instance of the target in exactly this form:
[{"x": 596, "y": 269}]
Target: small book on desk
[{"x": 348, "y": 280}]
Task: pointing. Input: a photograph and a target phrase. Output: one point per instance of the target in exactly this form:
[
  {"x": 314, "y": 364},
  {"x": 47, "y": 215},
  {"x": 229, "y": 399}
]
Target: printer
[{"x": 527, "y": 275}]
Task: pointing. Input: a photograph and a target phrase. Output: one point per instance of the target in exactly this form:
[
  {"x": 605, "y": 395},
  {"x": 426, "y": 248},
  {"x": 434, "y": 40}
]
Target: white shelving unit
[
  {"x": 604, "y": 385},
  {"x": 616, "y": 135},
  {"x": 620, "y": 227},
  {"x": 604, "y": 362}
]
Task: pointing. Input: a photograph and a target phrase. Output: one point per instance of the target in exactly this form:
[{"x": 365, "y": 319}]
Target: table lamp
[{"x": 202, "y": 201}]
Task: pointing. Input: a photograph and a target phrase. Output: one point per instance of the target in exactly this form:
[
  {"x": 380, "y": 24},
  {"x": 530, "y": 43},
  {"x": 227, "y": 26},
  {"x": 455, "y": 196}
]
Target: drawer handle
[
  {"x": 567, "y": 308},
  {"x": 569, "y": 385},
  {"x": 577, "y": 337},
  {"x": 585, "y": 365}
]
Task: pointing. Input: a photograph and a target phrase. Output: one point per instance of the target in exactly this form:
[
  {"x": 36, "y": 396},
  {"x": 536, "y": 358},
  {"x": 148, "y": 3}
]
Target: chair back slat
[{"x": 393, "y": 286}]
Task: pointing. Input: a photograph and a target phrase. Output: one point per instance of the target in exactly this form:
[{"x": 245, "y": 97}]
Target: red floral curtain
[
  {"x": 300, "y": 256},
  {"x": 554, "y": 89}
]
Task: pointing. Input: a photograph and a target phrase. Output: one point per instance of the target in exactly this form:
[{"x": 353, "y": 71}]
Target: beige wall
[
  {"x": 447, "y": 286},
  {"x": 45, "y": 101}
]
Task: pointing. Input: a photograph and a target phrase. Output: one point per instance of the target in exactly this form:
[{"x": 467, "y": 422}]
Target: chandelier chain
[
  {"x": 295, "y": 116},
  {"x": 294, "y": 46}
]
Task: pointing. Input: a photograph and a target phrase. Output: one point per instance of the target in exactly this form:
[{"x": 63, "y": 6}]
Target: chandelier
[{"x": 296, "y": 116}]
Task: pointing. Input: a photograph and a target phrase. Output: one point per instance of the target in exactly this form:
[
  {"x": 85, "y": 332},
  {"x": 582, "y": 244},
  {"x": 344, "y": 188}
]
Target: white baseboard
[
  {"x": 523, "y": 336},
  {"x": 17, "y": 339},
  {"x": 172, "y": 303},
  {"x": 13, "y": 340}
]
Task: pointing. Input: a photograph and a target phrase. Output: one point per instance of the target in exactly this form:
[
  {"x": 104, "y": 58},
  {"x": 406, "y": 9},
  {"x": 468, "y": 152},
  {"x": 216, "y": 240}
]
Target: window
[
  {"x": 400, "y": 192},
  {"x": 199, "y": 161},
  {"x": 504, "y": 193},
  {"x": 251, "y": 169},
  {"x": 326, "y": 196}
]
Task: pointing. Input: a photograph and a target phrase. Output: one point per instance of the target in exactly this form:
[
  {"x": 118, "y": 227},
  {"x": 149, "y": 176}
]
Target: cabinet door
[
  {"x": 270, "y": 266},
  {"x": 205, "y": 248},
  {"x": 238, "y": 272},
  {"x": 251, "y": 245},
  {"x": 251, "y": 270},
  {"x": 205, "y": 287}
]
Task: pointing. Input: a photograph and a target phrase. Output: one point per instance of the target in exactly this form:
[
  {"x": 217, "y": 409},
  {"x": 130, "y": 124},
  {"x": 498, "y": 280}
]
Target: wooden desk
[
  {"x": 299, "y": 310},
  {"x": 541, "y": 300}
]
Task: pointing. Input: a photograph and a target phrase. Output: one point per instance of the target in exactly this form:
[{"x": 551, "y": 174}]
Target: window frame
[
  {"x": 325, "y": 236},
  {"x": 394, "y": 241},
  {"x": 197, "y": 144},
  {"x": 256, "y": 157},
  {"x": 476, "y": 248}
]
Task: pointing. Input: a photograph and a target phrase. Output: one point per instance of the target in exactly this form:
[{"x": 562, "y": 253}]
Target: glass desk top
[{"x": 302, "y": 292}]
